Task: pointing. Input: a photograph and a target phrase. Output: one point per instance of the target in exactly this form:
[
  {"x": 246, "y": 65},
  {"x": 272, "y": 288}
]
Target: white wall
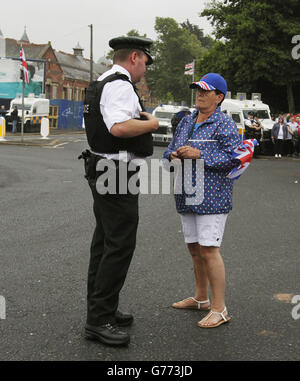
[{"x": 2, "y": 47}]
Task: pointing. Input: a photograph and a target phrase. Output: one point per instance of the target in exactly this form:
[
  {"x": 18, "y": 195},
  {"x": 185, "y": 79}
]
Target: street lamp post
[
  {"x": 91, "y": 57},
  {"x": 192, "y": 100}
]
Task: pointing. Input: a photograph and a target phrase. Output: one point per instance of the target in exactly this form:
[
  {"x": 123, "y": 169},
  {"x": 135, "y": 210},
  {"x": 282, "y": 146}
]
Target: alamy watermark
[
  {"x": 296, "y": 309},
  {"x": 2, "y": 308},
  {"x": 296, "y": 49},
  {"x": 152, "y": 177}
]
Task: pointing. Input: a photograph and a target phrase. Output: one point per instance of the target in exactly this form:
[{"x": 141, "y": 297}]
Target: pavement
[
  {"x": 35, "y": 139},
  {"x": 46, "y": 229}
]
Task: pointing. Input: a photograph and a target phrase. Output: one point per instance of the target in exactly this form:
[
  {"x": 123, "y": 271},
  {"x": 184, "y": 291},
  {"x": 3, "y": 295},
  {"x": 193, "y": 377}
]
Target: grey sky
[{"x": 65, "y": 22}]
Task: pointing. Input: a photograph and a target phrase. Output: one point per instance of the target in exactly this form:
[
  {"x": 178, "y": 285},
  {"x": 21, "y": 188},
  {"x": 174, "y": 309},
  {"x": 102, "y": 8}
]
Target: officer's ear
[{"x": 133, "y": 57}]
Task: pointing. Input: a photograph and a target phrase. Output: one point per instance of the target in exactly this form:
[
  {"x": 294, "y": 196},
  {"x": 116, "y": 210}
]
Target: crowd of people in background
[{"x": 286, "y": 135}]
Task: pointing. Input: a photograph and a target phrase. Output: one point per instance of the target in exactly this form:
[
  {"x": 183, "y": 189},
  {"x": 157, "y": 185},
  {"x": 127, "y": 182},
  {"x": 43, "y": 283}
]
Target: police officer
[
  {"x": 250, "y": 126},
  {"x": 122, "y": 133},
  {"x": 254, "y": 130}
]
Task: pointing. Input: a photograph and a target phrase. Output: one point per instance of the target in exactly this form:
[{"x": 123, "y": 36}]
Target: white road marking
[
  {"x": 60, "y": 144},
  {"x": 79, "y": 140}
]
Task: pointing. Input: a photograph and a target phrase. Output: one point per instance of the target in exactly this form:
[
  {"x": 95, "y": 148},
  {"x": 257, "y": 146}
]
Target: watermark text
[
  {"x": 296, "y": 309},
  {"x": 296, "y": 49},
  {"x": 2, "y": 308},
  {"x": 154, "y": 177}
]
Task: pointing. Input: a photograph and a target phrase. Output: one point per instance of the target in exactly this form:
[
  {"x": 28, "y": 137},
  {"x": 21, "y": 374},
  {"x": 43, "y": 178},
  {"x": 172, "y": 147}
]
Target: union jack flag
[
  {"x": 24, "y": 65},
  {"x": 244, "y": 154},
  {"x": 189, "y": 66},
  {"x": 189, "y": 72}
]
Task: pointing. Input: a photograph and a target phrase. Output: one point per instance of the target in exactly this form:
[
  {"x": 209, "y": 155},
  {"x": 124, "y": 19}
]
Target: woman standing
[
  {"x": 211, "y": 135},
  {"x": 279, "y": 134}
]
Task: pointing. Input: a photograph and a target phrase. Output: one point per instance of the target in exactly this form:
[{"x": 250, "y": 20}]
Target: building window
[
  {"x": 65, "y": 93},
  {"x": 48, "y": 93},
  {"x": 70, "y": 94},
  {"x": 54, "y": 91}
]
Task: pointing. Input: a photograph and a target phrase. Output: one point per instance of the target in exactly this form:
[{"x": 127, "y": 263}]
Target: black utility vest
[{"x": 99, "y": 138}]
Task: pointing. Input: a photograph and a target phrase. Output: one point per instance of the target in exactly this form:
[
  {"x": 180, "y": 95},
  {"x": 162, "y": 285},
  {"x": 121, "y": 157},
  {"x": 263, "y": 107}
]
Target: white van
[
  {"x": 164, "y": 114},
  {"x": 239, "y": 109},
  {"x": 34, "y": 110}
]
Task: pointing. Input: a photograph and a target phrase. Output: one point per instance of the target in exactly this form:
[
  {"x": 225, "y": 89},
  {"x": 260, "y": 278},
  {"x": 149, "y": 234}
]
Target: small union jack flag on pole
[
  {"x": 189, "y": 72},
  {"x": 24, "y": 65},
  {"x": 189, "y": 68},
  {"x": 244, "y": 154}
]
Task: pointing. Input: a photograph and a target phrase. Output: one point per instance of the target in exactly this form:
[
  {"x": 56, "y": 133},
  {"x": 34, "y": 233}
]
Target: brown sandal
[{"x": 194, "y": 307}]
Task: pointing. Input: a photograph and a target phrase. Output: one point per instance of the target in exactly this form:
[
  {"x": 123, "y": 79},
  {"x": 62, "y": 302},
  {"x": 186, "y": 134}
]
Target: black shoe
[
  {"x": 123, "y": 320},
  {"x": 106, "y": 334}
]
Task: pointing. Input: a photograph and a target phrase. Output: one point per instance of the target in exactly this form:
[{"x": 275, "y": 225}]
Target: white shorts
[{"x": 205, "y": 229}]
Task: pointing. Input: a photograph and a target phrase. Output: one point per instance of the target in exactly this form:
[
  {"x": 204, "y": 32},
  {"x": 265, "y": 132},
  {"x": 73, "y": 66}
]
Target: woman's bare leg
[
  {"x": 216, "y": 276},
  {"x": 201, "y": 279}
]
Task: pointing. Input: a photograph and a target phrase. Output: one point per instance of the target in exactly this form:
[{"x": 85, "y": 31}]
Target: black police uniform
[{"x": 116, "y": 215}]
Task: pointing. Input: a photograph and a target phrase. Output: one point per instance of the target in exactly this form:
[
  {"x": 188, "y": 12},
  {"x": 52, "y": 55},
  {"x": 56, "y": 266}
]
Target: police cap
[{"x": 132, "y": 42}]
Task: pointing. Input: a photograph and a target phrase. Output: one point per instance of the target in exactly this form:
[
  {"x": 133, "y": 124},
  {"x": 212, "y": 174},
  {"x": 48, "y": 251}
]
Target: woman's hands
[{"x": 186, "y": 152}]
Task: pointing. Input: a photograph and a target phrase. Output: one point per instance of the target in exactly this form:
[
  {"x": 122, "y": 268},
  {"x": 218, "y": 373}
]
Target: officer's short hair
[
  {"x": 133, "y": 43},
  {"x": 122, "y": 55}
]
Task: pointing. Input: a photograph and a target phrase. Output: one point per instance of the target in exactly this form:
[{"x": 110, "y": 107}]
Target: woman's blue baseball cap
[{"x": 211, "y": 81}]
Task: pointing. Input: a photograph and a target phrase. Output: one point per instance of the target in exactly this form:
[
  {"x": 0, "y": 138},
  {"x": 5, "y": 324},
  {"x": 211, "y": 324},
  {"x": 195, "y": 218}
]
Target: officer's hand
[
  {"x": 151, "y": 118},
  {"x": 147, "y": 115}
]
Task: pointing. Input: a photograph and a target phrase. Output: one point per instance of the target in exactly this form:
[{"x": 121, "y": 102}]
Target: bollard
[
  {"x": 45, "y": 128},
  {"x": 2, "y": 128}
]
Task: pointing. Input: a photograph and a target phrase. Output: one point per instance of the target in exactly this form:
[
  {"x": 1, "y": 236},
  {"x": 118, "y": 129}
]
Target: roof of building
[
  {"x": 73, "y": 66},
  {"x": 25, "y": 36},
  {"x": 78, "y": 46},
  {"x": 35, "y": 51},
  {"x": 105, "y": 61},
  {"x": 78, "y": 67}
]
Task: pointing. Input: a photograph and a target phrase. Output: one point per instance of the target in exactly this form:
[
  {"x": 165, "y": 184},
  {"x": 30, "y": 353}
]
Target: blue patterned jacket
[{"x": 223, "y": 136}]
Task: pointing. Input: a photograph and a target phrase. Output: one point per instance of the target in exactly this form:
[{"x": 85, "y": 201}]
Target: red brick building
[{"x": 66, "y": 75}]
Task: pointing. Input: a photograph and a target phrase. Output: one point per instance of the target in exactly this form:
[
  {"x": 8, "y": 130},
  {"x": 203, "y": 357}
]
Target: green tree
[
  {"x": 175, "y": 47},
  {"x": 256, "y": 43},
  {"x": 135, "y": 33},
  {"x": 206, "y": 41}
]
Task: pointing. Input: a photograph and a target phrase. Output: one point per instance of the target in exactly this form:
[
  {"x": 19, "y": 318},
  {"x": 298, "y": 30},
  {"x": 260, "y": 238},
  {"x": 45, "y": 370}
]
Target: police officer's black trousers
[{"x": 112, "y": 248}]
